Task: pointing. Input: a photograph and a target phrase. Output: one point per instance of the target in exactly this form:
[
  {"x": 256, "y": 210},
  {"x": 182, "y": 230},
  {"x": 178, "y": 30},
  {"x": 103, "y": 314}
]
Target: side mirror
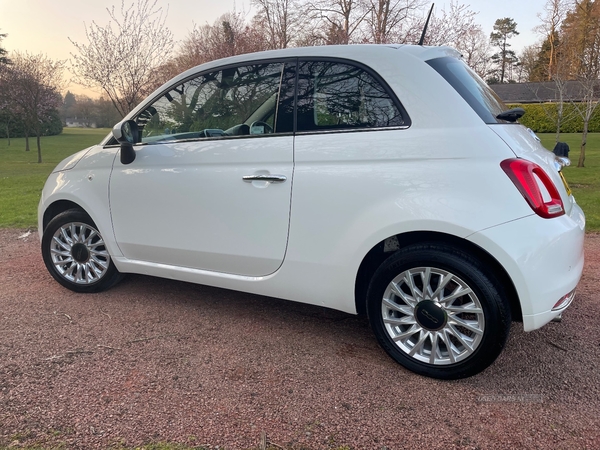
[{"x": 126, "y": 134}]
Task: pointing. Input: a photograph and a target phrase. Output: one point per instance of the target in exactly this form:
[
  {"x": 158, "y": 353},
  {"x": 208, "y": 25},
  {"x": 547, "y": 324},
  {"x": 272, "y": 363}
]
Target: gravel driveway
[{"x": 156, "y": 360}]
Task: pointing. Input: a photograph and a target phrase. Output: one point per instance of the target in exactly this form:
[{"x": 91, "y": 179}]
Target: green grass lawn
[
  {"x": 584, "y": 181},
  {"x": 22, "y": 178}
]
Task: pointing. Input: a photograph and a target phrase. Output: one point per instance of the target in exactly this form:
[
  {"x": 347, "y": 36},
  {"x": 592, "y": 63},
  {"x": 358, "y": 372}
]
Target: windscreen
[{"x": 473, "y": 89}]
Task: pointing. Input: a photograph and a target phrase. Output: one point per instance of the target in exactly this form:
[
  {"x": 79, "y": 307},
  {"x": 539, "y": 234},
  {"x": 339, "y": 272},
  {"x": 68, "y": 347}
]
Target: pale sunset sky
[{"x": 45, "y": 26}]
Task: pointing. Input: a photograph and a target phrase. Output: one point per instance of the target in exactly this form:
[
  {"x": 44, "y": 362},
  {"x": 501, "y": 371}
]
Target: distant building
[
  {"x": 538, "y": 92},
  {"x": 74, "y": 122}
]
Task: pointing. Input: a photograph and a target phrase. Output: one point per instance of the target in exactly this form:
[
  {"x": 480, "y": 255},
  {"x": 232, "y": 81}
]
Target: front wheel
[
  {"x": 75, "y": 253},
  {"x": 438, "y": 311}
]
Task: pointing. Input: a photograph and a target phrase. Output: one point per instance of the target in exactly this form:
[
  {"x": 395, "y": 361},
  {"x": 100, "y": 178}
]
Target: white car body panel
[
  {"x": 87, "y": 186},
  {"x": 544, "y": 258},
  {"x": 225, "y": 224}
]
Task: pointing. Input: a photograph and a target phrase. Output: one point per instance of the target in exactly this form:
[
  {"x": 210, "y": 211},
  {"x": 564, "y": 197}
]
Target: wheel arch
[
  {"x": 387, "y": 247},
  {"x": 58, "y": 207}
]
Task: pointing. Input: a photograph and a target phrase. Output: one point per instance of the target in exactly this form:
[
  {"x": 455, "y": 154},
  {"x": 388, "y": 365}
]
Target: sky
[{"x": 45, "y": 26}]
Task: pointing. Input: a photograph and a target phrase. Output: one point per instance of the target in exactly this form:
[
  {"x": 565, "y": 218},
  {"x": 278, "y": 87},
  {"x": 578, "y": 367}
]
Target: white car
[{"x": 379, "y": 179}]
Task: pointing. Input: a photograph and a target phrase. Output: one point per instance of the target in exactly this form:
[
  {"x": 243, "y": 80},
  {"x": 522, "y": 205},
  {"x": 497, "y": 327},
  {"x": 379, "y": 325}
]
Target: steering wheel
[{"x": 267, "y": 129}]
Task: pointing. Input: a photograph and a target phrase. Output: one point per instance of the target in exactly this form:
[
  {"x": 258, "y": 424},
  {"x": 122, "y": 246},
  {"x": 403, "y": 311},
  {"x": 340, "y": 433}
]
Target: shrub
[{"x": 541, "y": 118}]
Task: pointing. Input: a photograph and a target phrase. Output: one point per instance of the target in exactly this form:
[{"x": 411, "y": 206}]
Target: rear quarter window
[
  {"x": 484, "y": 101},
  {"x": 340, "y": 96}
]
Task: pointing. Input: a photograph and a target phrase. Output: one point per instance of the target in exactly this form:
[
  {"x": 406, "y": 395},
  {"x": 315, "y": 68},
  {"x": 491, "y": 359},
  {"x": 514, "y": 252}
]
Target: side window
[
  {"x": 334, "y": 95},
  {"x": 229, "y": 102}
]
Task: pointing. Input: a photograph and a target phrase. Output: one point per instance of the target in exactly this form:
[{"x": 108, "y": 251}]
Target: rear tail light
[{"x": 536, "y": 186}]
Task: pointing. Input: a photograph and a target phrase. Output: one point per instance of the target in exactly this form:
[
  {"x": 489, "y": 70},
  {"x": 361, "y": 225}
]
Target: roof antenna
[{"x": 425, "y": 27}]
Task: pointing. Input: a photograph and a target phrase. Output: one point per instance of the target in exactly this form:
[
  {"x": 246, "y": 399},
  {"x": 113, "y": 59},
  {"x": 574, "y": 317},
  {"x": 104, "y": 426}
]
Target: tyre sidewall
[
  {"x": 110, "y": 277},
  {"x": 483, "y": 283}
]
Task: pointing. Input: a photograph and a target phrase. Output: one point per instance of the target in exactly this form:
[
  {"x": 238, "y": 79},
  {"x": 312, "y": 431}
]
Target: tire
[
  {"x": 438, "y": 311},
  {"x": 75, "y": 254}
]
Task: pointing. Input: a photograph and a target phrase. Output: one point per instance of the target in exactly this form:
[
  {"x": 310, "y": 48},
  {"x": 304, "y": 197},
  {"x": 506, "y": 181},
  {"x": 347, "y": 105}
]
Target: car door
[{"x": 210, "y": 187}]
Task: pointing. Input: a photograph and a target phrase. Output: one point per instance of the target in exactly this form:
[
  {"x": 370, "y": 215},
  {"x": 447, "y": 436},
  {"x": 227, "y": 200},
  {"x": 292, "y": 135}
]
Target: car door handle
[{"x": 272, "y": 178}]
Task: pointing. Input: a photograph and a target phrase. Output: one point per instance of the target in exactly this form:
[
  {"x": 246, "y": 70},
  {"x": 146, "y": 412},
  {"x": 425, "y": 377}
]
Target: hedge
[{"x": 541, "y": 118}]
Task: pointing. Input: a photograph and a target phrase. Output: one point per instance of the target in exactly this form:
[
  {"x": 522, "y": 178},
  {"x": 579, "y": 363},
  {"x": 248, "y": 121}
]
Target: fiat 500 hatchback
[{"x": 386, "y": 180}]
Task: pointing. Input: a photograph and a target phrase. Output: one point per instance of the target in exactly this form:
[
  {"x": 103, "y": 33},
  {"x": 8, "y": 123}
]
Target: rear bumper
[{"x": 544, "y": 259}]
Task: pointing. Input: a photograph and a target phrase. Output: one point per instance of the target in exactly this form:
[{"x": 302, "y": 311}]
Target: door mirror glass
[{"x": 126, "y": 132}]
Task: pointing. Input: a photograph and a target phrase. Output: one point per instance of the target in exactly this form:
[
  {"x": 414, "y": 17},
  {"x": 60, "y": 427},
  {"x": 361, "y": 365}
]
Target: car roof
[{"x": 355, "y": 52}]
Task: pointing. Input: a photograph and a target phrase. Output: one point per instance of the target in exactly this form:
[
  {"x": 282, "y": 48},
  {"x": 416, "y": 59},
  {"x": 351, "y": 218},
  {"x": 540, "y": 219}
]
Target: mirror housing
[
  {"x": 126, "y": 133},
  {"x": 512, "y": 115}
]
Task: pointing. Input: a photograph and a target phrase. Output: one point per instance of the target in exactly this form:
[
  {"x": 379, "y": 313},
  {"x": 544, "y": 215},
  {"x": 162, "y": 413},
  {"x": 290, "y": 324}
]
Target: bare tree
[
  {"x": 449, "y": 26},
  {"x": 106, "y": 113},
  {"x": 281, "y": 20},
  {"x": 314, "y": 30},
  {"x": 529, "y": 59},
  {"x": 551, "y": 19},
  {"x": 85, "y": 111},
  {"x": 6, "y": 115},
  {"x": 120, "y": 58},
  {"x": 229, "y": 35},
  {"x": 560, "y": 78},
  {"x": 581, "y": 54},
  {"x": 544, "y": 62},
  {"x": 456, "y": 27},
  {"x": 476, "y": 51},
  {"x": 554, "y": 108},
  {"x": 385, "y": 19},
  {"x": 341, "y": 17},
  {"x": 3, "y": 58},
  {"x": 586, "y": 109},
  {"x": 35, "y": 82},
  {"x": 561, "y": 98}
]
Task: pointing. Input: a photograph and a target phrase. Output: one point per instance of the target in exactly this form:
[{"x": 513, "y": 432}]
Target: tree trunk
[
  {"x": 581, "y": 161},
  {"x": 559, "y": 116},
  {"x": 8, "y": 133},
  {"x": 551, "y": 38},
  {"x": 503, "y": 62},
  {"x": 39, "y": 147},
  {"x": 26, "y": 140}
]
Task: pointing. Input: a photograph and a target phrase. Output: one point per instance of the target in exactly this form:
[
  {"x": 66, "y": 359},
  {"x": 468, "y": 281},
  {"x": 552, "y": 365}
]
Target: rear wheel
[
  {"x": 438, "y": 311},
  {"x": 75, "y": 253}
]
